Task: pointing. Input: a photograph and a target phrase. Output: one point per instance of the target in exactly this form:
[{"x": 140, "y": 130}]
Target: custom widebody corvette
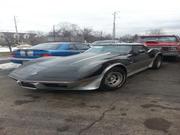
[{"x": 104, "y": 66}]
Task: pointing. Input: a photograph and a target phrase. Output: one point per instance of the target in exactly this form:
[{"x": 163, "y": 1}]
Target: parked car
[
  {"x": 105, "y": 66},
  {"x": 48, "y": 49},
  {"x": 168, "y": 44}
]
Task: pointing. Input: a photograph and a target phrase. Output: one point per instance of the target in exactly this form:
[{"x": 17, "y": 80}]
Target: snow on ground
[
  {"x": 6, "y": 49},
  {"x": 9, "y": 65}
]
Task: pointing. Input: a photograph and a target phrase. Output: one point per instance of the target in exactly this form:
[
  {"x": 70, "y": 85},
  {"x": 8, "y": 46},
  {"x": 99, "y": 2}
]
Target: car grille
[
  {"x": 55, "y": 85},
  {"x": 169, "y": 49}
]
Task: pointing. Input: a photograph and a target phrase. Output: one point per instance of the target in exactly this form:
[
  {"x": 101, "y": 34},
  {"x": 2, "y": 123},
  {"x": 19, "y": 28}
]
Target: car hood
[{"x": 61, "y": 68}]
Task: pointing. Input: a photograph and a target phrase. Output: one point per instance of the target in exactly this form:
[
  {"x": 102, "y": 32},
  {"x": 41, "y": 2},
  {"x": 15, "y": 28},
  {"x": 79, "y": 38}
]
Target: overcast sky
[{"x": 135, "y": 16}]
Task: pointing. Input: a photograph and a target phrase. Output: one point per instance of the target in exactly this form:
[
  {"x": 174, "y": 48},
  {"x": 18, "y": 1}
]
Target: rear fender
[{"x": 157, "y": 54}]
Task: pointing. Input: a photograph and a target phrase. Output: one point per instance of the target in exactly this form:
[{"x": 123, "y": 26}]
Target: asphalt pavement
[{"x": 148, "y": 104}]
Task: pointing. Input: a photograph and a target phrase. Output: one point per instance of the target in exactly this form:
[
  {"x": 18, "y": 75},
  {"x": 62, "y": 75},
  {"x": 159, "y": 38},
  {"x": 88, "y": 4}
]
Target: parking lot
[{"x": 149, "y": 104}]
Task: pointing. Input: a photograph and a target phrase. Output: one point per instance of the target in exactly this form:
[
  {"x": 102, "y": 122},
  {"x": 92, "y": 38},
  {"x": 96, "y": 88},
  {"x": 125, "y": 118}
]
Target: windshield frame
[{"x": 104, "y": 46}]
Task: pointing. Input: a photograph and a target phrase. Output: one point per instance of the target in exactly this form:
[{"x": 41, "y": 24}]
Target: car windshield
[
  {"x": 120, "y": 49},
  {"x": 46, "y": 46},
  {"x": 159, "y": 39}
]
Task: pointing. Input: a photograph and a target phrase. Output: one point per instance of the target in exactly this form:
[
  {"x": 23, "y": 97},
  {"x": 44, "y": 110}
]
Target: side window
[
  {"x": 137, "y": 49},
  {"x": 72, "y": 47}
]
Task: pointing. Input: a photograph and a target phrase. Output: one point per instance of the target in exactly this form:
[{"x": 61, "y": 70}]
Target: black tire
[
  {"x": 157, "y": 62},
  {"x": 117, "y": 73}
]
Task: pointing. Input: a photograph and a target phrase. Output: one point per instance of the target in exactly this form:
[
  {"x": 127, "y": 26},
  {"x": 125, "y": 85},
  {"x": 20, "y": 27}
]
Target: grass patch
[{"x": 5, "y": 54}]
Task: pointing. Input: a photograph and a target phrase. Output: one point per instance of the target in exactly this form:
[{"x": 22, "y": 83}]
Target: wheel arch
[
  {"x": 108, "y": 68},
  {"x": 119, "y": 65},
  {"x": 158, "y": 54}
]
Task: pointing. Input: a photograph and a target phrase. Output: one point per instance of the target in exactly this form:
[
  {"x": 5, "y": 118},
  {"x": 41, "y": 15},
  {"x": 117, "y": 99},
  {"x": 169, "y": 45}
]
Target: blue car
[{"x": 48, "y": 49}]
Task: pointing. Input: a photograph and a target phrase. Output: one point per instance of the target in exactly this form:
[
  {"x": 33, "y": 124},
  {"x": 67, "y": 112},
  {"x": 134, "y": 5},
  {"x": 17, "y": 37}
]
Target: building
[{"x": 14, "y": 38}]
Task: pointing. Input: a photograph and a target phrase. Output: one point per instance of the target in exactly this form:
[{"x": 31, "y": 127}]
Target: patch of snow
[
  {"x": 8, "y": 66},
  {"x": 6, "y": 49}
]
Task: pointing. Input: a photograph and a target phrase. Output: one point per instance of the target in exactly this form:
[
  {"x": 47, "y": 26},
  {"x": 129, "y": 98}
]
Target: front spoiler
[{"x": 92, "y": 83}]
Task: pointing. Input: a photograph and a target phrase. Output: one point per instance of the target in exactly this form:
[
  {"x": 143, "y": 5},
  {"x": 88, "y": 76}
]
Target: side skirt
[{"x": 137, "y": 71}]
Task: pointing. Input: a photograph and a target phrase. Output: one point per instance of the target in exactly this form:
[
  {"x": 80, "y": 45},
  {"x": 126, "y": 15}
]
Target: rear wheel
[
  {"x": 157, "y": 63},
  {"x": 113, "y": 79}
]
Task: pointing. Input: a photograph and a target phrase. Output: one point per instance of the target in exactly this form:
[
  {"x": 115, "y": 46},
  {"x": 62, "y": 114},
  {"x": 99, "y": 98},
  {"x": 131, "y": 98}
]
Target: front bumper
[{"x": 92, "y": 83}]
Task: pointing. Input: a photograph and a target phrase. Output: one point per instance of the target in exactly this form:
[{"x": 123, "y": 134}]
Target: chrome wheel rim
[{"x": 114, "y": 79}]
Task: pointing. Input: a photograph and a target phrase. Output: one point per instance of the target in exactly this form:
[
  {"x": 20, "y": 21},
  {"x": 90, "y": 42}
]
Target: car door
[{"x": 141, "y": 57}]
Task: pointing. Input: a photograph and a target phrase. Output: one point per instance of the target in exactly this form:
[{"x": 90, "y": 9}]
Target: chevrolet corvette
[{"x": 105, "y": 66}]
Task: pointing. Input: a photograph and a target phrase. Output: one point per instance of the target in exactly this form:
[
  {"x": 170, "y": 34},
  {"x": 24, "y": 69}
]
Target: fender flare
[
  {"x": 157, "y": 54},
  {"x": 112, "y": 66}
]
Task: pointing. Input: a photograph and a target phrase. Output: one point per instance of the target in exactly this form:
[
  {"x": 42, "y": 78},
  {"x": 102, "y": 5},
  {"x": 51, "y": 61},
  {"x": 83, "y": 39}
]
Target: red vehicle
[{"x": 168, "y": 44}]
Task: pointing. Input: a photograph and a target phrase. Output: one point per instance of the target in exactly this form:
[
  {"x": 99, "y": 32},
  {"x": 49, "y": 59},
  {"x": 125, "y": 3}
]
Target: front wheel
[
  {"x": 157, "y": 62},
  {"x": 113, "y": 79}
]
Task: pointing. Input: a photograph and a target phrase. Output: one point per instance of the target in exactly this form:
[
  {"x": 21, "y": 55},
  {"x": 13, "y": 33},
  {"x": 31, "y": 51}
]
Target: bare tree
[
  {"x": 36, "y": 37},
  {"x": 155, "y": 32},
  {"x": 72, "y": 32},
  {"x": 87, "y": 34},
  {"x": 68, "y": 31},
  {"x": 10, "y": 40},
  {"x": 129, "y": 38}
]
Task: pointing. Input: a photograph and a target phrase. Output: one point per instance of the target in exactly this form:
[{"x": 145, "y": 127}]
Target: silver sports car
[{"x": 104, "y": 66}]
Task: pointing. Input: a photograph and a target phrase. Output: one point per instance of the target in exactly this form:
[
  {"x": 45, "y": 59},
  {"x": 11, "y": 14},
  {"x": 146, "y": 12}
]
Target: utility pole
[
  {"x": 54, "y": 34},
  {"x": 101, "y": 35},
  {"x": 15, "y": 24},
  {"x": 114, "y": 25}
]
